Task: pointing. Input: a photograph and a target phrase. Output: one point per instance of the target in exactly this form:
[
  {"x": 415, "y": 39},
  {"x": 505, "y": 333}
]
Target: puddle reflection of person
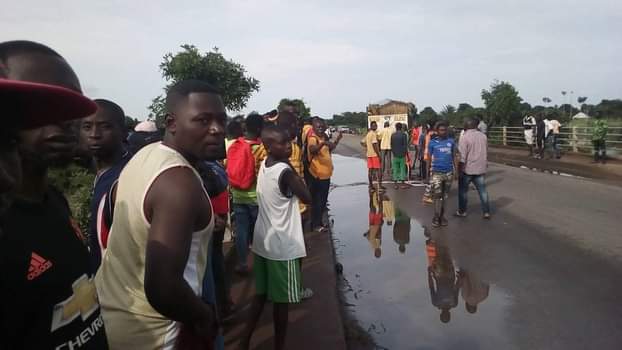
[
  {"x": 474, "y": 290},
  {"x": 388, "y": 210},
  {"x": 443, "y": 280},
  {"x": 374, "y": 234},
  {"x": 401, "y": 230}
]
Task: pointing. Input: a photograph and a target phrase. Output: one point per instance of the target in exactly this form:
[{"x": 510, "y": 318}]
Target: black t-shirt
[{"x": 47, "y": 294}]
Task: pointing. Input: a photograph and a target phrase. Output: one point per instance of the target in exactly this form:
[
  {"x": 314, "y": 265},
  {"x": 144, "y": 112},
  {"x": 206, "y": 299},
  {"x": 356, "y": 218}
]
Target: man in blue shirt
[
  {"x": 103, "y": 134},
  {"x": 442, "y": 151}
]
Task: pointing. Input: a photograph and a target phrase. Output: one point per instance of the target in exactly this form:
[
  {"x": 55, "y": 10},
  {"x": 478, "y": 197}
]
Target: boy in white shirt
[{"x": 278, "y": 241}]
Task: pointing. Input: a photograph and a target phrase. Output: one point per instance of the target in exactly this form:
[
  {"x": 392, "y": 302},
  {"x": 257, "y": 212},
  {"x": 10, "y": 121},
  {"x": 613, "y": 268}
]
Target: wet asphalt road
[{"x": 545, "y": 273}]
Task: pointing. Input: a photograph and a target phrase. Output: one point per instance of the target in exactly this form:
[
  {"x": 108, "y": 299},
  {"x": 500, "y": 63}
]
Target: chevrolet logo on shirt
[{"x": 83, "y": 302}]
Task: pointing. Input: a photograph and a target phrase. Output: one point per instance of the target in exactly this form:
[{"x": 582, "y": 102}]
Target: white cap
[{"x": 146, "y": 126}]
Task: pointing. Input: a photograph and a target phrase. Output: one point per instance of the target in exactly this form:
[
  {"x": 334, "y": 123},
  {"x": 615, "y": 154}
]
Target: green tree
[
  {"x": 301, "y": 107},
  {"x": 130, "y": 123},
  {"x": 351, "y": 119},
  {"x": 231, "y": 78},
  {"x": 429, "y": 115},
  {"x": 503, "y": 104}
]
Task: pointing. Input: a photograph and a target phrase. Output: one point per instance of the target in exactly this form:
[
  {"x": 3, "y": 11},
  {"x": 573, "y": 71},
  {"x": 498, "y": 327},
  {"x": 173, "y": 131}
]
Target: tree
[
  {"x": 231, "y": 78},
  {"x": 130, "y": 123},
  {"x": 581, "y": 99},
  {"x": 428, "y": 114},
  {"x": 302, "y": 108},
  {"x": 464, "y": 107},
  {"x": 350, "y": 119},
  {"x": 546, "y": 100},
  {"x": 502, "y": 102},
  {"x": 448, "y": 111}
]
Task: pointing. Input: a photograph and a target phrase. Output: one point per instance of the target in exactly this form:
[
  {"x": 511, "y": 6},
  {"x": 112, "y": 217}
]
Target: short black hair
[
  {"x": 234, "y": 128},
  {"x": 114, "y": 110},
  {"x": 254, "y": 124},
  {"x": 441, "y": 123},
  {"x": 16, "y": 47},
  {"x": 372, "y": 123},
  {"x": 288, "y": 117},
  {"x": 398, "y": 126},
  {"x": 269, "y": 132},
  {"x": 180, "y": 91}
]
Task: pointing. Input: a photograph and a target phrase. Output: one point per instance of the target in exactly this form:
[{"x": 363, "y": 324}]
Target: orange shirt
[{"x": 321, "y": 164}]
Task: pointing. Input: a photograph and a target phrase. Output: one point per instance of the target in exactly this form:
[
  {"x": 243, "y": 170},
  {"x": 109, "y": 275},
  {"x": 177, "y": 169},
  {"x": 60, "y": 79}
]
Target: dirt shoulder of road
[{"x": 577, "y": 165}]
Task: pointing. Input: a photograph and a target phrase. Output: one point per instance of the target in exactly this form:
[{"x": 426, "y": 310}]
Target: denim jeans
[
  {"x": 319, "y": 198},
  {"x": 208, "y": 293},
  {"x": 463, "y": 188},
  {"x": 245, "y": 216},
  {"x": 221, "y": 283}
]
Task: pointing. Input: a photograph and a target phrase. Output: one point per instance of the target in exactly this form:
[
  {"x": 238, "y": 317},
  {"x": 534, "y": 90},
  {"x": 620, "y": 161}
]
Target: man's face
[
  {"x": 373, "y": 126},
  {"x": 280, "y": 147},
  {"x": 49, "y": 145},
  {"x": 319, "y": 127},
  {"x": 101, "y": 134},
  {"x": 10, "y": 167},
  {"x": 198, "y": 126},
  {"x": 442, "y": 131},
  {"x": 291, "y": 109}
]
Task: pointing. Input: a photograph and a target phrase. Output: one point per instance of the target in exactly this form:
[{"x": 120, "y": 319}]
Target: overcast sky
[{"x": 338, "y": 55}]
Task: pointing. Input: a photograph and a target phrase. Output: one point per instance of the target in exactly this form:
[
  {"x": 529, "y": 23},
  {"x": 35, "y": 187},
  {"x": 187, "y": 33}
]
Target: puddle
[{"x": 400, "y": 277}]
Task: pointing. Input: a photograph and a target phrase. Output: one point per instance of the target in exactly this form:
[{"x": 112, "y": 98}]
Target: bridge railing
[{"x": 570, "y": 139}]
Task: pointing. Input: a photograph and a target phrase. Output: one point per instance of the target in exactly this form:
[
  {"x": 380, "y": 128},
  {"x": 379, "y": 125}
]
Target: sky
[{"x": 338, "y": 55}]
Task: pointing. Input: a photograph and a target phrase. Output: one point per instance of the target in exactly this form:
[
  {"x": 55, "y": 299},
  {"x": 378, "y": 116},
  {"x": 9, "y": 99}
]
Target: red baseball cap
[{"x": 38, "y": 104}]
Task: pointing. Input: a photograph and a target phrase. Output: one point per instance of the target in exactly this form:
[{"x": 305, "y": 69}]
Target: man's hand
[
  {"x": 208, "y": 326},
  {"x": 220, "y": 222}
]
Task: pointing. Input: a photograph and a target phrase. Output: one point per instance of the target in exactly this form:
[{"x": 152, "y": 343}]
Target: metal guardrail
[{"x": 571, "y": 139}]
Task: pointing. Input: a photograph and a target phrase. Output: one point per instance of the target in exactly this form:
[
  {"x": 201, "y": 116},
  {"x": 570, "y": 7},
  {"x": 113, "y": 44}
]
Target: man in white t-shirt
[
  {"x": 529, "y": 124},
  {"x": 278, "y": 243},
  {"x": 555, "y": 125}
]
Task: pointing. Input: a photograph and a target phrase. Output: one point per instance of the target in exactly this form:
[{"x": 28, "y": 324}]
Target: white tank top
[
  {"x": 278, "y": 230},
  {"x": 131, "y": 322}
]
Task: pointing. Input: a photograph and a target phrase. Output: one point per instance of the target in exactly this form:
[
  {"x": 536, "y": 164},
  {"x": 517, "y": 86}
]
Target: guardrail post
[
  {"x": 574, "y": 139},
  {"x": 505, "y": 136}
]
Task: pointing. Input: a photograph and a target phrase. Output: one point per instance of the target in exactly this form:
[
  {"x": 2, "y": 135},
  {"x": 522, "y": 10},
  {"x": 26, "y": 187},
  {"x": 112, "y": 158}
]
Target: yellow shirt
[
  {"x": 385, "y": 134},
  {"x": 296, "y": 161},
  {"x": 370, "y": 139},
  {"x": 321, "y": 166}
]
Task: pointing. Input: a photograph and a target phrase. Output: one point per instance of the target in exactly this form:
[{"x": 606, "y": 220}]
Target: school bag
[{"x": 241, "y": 163}]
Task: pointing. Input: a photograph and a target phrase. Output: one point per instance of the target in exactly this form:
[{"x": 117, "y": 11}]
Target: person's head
[
  {"x": 277, "y": 142},
  {"x": 398, "y": 126},
  {"x": 254, "y": 124},
  {"x": 373, "y": 126},
  {"x": 445, "y": 315},
  {"x": 290, "y": 107},
  {"x": 402, "y": 248},
  {"x": 319, "y": 126},
  {"x": 389, "y": 223},
  {"x": 195, "y": 120},
  {"x": 441, "y": 128},
  {"x": 378, "y": 252},
  {"x": 387, "y": 124},
  {"x": 470, "y": 308},
  {"x": 234, "y": 129},
  {"x": 53, "y": 144},
  {"x": 289, "y": 122},
  {"x": 103, "y": 132},
  {"x": 471, "y": 123}
]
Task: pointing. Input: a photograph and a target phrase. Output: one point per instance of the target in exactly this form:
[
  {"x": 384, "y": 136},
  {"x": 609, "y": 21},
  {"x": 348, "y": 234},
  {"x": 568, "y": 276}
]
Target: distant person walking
[
  {"x": 529, "y": 124},
  {"x": 385, "y": 147},
  {"x": 472, "y": 167},
  {"x": 540, "y": 137},
  {"x": 599, "y": 136},
  {"x": 555, "y": 125},
  {"x": 399, "y": 149}
]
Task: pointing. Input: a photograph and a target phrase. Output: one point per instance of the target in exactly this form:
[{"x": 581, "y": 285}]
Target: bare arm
[
  {"x": 171, "y": 207},
  {"x": 315, "y": 144},
  {"x": 290, "y": 180}
]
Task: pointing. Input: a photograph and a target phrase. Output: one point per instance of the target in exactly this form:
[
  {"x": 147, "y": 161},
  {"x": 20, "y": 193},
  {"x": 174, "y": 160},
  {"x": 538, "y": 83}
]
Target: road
[{"x": 552, "y": 254}]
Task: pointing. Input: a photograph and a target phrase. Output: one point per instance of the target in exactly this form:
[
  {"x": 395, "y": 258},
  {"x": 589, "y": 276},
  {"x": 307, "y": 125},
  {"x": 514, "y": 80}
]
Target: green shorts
[{"x": 279, "y": 280}]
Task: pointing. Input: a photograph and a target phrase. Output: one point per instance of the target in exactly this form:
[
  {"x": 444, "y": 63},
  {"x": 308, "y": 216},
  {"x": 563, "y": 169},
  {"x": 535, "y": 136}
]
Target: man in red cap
[{"x": 47, "y": 299}]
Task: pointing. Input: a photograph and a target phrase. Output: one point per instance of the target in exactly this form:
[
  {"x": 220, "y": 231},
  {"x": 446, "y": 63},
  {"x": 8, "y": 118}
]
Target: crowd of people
[
  {"x": 150, "y": 271},
  {"x": 431, "y": 154}
]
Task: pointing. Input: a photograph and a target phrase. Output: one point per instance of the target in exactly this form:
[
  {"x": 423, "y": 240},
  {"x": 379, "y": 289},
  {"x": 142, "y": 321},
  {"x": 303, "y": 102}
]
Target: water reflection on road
[{"x": 405, "y": 287}]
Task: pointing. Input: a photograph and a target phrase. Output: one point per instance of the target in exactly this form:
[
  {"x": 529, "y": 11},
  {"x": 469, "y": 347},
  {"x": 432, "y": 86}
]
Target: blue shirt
[
  {"x": 101, "y": 209},
  {"x": 442, "y": 153}
]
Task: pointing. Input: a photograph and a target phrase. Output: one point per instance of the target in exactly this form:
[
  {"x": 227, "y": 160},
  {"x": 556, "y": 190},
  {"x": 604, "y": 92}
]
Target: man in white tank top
[
  {"x": 150, "y": 280},
  {"x": 278, "y": 244}
]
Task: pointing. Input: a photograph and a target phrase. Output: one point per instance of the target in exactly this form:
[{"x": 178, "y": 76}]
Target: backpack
[{"x": 241, "y": 163}]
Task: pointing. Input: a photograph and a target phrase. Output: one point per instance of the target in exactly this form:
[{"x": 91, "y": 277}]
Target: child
[
  {"x": 278, "y": 242},
  {"x": 373, "y": 156},
  {"x": 442, "y": 151}
]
